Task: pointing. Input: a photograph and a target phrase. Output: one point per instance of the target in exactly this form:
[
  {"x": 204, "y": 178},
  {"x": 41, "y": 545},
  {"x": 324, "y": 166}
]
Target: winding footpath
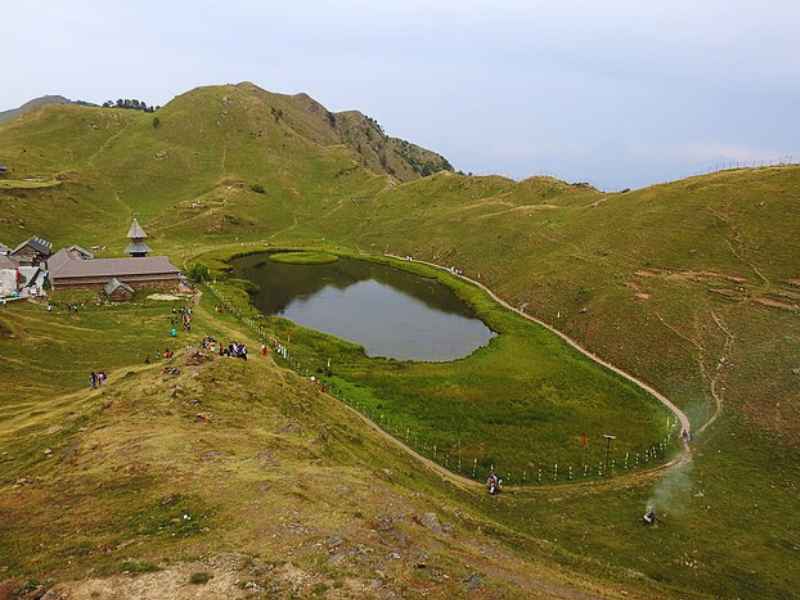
[{"x": 679, "y": 414}]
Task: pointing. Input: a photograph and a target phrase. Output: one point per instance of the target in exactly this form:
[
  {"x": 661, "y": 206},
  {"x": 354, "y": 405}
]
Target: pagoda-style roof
[
  {"x": 137, "y": 248},
  {"x": 136, "y": 232}
]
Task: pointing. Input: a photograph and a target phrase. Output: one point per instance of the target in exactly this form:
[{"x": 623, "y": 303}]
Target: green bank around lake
[
  {"x": 303, "y": 258},
  {"x": 522, "y": 403}
]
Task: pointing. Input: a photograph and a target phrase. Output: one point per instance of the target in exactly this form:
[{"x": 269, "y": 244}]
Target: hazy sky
[{"x": 620, "y": 94}]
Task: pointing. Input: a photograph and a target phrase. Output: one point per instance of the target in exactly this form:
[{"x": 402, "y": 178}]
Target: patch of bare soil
[
  {"x": 727, "y": 293},
  {"x": 696, "y": 276},
  {"x": 224, "y": 577},
  {"x": 772, "y": 303},
  {"x": 647, "y": 273},
  {"x": 638, "y": 293}
]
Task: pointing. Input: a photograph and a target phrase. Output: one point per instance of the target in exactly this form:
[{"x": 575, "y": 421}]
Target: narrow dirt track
[
  {"x": 685, "y": 455},
  {"x": 467, "y": 484}
]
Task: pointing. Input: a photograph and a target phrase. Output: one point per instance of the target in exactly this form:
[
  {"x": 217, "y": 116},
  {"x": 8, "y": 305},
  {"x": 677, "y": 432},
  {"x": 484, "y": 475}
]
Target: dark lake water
[{"x": 390, "y": 312}]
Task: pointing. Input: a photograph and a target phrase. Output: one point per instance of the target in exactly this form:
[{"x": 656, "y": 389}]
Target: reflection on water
[{"x": 390, "y": 312}]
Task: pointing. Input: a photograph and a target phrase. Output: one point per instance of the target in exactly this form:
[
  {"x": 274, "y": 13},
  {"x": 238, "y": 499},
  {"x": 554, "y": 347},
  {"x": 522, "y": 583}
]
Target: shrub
[
  {"x": 200, "y": 578},
  {"x": 198, "y": 273},
  {"x": 156, "y": 122},
  {"x": 137, "y": 566},
  {"x": 258, "y": 188}
]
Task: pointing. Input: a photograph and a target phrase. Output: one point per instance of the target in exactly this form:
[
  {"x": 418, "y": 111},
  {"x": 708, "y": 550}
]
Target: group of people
[
  {"x": 96, "y": 379},
  {"x": 209, "y": 343},
  {"x": 185, "y": 315},
  {"x": 235, "y": 350}
]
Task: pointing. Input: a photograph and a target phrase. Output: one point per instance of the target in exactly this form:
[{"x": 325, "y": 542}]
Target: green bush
[
  {"x": 198, "y": 273},
  {"x": 137, "y": 566},
  {"x": 200, "y": 578},
  {"x": 258, "y": 188}
]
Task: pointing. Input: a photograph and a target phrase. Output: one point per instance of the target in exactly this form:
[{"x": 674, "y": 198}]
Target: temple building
[
  {"x": 74, "y": 267},
  {"x": 136, "y": 235}
]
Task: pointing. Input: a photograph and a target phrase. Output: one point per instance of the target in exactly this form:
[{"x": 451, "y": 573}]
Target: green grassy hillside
[
  {"x": 30, "y": 105},
  {"x": 694, "y": 286}
]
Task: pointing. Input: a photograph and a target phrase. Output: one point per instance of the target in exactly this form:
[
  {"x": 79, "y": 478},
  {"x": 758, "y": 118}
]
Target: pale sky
[{"x": 619, "y": 93}]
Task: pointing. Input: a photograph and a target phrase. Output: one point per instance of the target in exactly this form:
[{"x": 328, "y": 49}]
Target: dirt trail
[
  {"x": 467, "y": 484},
  {"x": 726, "y": 352}
]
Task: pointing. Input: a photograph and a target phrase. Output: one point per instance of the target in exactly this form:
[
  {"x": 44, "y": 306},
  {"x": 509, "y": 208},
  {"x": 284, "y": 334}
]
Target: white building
[{"x": 9, "y": 277}]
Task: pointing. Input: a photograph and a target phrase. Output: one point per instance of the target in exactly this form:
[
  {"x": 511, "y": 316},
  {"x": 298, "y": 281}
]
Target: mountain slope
[
  {"x": 208, "y": 144},
  {"x": 30, "y": 105},
  {"x": 693, "y": 286}
]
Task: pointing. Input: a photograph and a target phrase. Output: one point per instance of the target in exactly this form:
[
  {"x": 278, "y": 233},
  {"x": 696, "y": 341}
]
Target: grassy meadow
[{"x": 692, "y": 286}]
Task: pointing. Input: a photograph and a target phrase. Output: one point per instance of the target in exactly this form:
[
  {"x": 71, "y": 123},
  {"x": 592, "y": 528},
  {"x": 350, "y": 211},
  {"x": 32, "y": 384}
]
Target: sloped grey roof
[
  {"x": 115, "y": 284},
  {"x": 60, "y": 258},
  {"x": 137, "y": 248},
  {"x": 41, "y": 245},
  {"x": 116, "y": 267},
  {"x": 136, "y": 232}
]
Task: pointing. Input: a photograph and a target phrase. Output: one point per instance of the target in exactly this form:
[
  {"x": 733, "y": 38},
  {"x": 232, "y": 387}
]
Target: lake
[{"x": 390, "y": 312}]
